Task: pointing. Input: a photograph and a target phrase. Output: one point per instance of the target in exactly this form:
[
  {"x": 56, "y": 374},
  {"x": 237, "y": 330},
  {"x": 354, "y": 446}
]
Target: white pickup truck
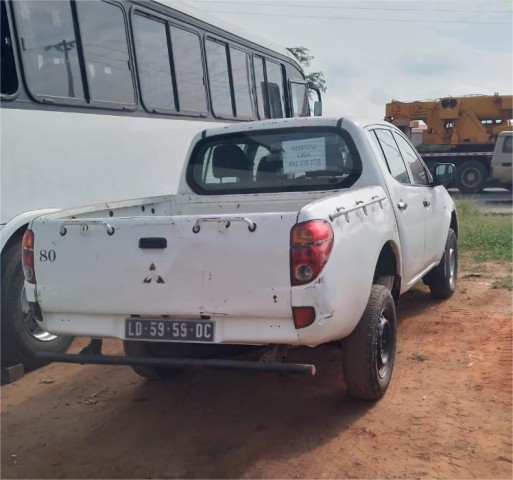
[{"x": 284, "y": 233}]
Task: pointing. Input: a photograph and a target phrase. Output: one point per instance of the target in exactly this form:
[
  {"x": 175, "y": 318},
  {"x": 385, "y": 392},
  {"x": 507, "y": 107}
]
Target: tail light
[
  {"x": 303, "y": 316},
  {"x": 310, "y": 247},
  {"x": 27, "y": 256}
]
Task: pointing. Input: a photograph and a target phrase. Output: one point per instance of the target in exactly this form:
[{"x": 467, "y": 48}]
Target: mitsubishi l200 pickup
[{"x": 284, "y": 233}]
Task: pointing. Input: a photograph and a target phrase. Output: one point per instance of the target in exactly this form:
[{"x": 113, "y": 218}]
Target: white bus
[{"x": 99, "y": 101}]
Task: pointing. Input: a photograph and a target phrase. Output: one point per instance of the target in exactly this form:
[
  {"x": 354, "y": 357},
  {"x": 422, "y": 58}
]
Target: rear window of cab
[{"x": 282, "y": 160}]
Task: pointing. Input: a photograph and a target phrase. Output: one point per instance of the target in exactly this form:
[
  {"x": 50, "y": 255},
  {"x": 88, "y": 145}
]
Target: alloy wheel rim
[
  {"x": 32, "y": 326},
  {"x": 384, "y": 345},
  {"x": 471, "y": 178},
  {"x": 452, "y": 268}
]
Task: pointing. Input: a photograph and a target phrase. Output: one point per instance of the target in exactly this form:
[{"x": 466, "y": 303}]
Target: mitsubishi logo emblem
[{"x": 153, "y": 276}]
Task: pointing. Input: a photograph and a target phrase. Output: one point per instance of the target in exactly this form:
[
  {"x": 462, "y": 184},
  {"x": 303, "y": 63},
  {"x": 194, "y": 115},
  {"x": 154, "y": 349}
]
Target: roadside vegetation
[{"x": 485, "y": 237}]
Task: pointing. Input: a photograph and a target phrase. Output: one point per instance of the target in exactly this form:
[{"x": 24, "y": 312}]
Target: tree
[{"x": 305, "y": 59}]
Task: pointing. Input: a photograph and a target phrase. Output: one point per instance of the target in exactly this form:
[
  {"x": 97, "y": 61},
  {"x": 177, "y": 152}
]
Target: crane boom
[
  {"x": 454, "y": 121},
  {"x": 461, "y": 130}
]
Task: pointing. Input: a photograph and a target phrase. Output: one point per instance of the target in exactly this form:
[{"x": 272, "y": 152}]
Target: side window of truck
[
  {"x": 506, "y": 148},
  {"x": 410, "y": 155},
  {"x": 394, "y": 161}
]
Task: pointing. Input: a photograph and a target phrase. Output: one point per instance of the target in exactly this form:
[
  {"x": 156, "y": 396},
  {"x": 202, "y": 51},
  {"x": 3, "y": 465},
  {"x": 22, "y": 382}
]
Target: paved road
[
  {"x": 488, "y": 195},
  {"x": 494, "y": 199}
]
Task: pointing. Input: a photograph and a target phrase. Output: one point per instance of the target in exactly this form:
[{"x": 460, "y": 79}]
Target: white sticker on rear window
[{"x": 301, "y": 156}]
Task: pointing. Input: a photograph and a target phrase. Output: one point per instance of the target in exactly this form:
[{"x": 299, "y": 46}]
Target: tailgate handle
[
  {"x": 153, "y": 242},
  {"x": 226, "y": 220}
]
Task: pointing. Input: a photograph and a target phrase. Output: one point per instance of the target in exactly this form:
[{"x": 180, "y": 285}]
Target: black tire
[
  {"x": 178, "y": 350},
  {"x": 442, "y": 279},
  {"x": 21, "y": 335},
  {"x": 386, "y": 281},
  {"x": 471, "y": 176},
  {"x": 368, "y": 354},
  {"x": 146, "y": 349}
]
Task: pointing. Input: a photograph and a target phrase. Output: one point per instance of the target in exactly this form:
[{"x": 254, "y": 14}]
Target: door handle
[
  {"x": 402, "y": 205},
  {"x": 153, "y": 242},
  {"x": 426, "y": 203}
]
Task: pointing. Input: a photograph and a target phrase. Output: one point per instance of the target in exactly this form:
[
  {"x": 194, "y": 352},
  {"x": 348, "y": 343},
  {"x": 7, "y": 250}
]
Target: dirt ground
[{"x": 447, "y": 413}]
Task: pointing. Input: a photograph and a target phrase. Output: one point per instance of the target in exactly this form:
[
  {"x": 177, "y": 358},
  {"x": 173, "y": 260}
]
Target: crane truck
[{"x": 459, "y": 130}]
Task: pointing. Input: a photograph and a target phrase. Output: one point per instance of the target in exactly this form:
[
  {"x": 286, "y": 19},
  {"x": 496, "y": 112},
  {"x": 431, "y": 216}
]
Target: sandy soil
[{"x": 447, "y": 414}]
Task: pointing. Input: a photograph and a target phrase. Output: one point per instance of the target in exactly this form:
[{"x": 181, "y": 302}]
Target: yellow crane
[{"x": 460, "y": 130}]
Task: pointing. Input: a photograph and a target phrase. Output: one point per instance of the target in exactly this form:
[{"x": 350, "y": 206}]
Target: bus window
[
  {"x": 269, "y": 87},
  {"x": 299, "y": 99},
  {"x": 219, "y": 79},
  {"x": 49, "y": 48},
  {"x": 241, "y": 76},
  {"x": 104, "y": 41},
  {"x": 275, "y": 85},
  {"x": 152, "y": 54},
  {"x": 9, "y": 81},
  {"x": 188, "y": 64},
  {"x": 261, "y": 90}
]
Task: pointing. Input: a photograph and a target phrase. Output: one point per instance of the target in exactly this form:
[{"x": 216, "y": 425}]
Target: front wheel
[
  {"x": 368, "y": 354},
  {"x": 442, "y": 279},
  {"x": 22, "y": 335}
]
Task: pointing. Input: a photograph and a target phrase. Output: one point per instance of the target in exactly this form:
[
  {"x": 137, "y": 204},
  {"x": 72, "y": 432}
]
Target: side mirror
[
  {"x": 318, "y": 103},
  {"x": 444, "y": 174},
  {"x": 317, "y": 109}
]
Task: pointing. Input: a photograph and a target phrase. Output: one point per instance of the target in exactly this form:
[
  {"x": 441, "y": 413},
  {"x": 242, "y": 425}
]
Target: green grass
[{"x": 484, "y": 237}]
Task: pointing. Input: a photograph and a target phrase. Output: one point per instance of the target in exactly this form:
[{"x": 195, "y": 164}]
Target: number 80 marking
[{"x": 47, "y": 255}]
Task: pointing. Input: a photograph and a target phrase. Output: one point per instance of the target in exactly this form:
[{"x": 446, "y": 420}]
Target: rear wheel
[
  {"x": 442, "y": 279},
  {"x": 22, "y": 336},
  {"x": 471, "y": 176},
  {"x": 368, "y": 354},
  {"x": 147, "y": 349},
  {"x": 177, "y": 350}
]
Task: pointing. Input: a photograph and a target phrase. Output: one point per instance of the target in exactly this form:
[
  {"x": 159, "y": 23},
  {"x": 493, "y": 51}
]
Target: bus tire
[
  {"x": 368, "y": 353},
  {"x": 471, "y": 176},
  {"x": 21, "y": 335}
]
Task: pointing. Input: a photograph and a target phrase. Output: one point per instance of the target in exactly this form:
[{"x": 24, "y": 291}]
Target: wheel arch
[
  {"x": 389, "y": 264},
  {"x": 454, "y": 225},
  {"x": 14, "y": 229}
]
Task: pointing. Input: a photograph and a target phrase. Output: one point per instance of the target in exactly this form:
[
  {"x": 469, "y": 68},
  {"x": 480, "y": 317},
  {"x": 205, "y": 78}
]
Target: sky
[{"x": 374, "y": 51}]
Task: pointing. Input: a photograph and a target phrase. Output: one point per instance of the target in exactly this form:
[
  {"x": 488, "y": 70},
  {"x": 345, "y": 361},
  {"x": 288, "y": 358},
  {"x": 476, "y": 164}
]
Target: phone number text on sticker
[
  {"x": 170, "y": 330},
  {"x": 305, "y": 163}
]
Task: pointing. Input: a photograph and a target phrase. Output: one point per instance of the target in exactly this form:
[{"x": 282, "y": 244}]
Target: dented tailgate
[{"x": 178, "y": 266}]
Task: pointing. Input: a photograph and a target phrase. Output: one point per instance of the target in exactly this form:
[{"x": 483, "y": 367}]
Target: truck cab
[{"x": 502, "y": 159}]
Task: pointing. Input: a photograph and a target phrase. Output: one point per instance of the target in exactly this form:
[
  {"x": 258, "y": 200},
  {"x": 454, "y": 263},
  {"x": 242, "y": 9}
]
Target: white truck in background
[
  {"x": 284, "y": 233},
  {"x": 502, "y": 161}
]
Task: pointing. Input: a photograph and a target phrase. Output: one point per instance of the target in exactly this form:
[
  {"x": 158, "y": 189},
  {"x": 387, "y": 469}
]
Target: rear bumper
[{"x": 227, "y": 330}]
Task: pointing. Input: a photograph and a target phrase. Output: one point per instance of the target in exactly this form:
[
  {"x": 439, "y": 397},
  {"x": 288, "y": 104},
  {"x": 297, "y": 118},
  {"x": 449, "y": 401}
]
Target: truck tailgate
[{"x": 179, "y": 266}]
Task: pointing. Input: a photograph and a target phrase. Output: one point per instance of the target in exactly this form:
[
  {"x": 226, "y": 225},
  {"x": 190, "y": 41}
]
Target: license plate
[{"x": 171, "y": 330}]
